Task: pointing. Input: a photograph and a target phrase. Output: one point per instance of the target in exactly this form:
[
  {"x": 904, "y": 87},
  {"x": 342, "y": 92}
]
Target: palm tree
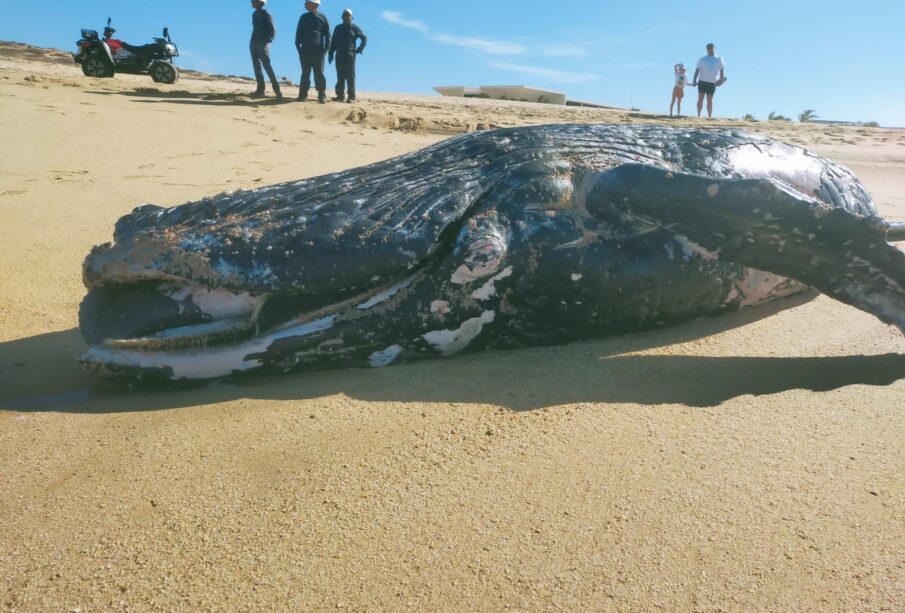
[
  {"x": 773, "y": 116},
  {"x": 807, "y": 115},
  {"x": 749, "y": 117}
]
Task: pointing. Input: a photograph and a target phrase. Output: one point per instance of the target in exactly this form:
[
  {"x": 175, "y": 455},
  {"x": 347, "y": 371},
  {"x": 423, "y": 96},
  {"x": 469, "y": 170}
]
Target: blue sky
[{"x": 844, "y": 59}]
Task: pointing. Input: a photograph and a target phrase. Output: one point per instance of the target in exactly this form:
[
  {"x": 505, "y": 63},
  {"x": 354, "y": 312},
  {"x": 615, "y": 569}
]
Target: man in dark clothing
[
  {"x": 312, "y": 39},
  {"x": 344, "y": 47},
  {"x": 262, "y": 34}
]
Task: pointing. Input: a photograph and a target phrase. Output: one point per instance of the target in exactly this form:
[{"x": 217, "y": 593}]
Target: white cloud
[
  {"x": 400, "y": 20},
  {"x": 493, "y": 47},
  {"x": 633, "y": 66},
  {"x": 554, "y": 76},
  {"x": 565, "y": 51},
  {"x": 490, "y": 46}
]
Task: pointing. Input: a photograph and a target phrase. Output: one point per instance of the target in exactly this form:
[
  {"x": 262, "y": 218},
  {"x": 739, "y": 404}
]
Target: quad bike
[{"x": 107, "y": 56}]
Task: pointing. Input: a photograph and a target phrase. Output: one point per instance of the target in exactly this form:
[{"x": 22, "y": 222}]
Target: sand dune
[{"x": 749, "y": 462}]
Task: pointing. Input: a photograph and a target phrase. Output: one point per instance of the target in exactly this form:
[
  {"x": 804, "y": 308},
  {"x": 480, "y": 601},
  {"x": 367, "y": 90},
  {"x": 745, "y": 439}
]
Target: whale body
[{"x": 501, "y": 239}]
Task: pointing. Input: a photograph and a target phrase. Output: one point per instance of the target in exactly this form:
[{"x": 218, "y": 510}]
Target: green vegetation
[
  {"x": 773, "y": 116},
  {"x": 749, "y": 117},
  {"x": 807, "y": 115}
]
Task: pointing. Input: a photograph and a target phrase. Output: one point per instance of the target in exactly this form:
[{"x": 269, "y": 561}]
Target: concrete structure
[{"x": 503, "y": 92}]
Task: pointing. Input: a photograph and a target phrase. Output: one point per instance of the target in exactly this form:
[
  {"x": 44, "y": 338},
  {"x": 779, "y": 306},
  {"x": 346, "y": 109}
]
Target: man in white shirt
[{"x": 711, "y": 72}]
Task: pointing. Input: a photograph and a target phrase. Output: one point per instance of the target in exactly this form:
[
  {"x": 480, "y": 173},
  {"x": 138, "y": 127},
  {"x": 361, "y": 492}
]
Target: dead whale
[{"x": 508, "y": 238}]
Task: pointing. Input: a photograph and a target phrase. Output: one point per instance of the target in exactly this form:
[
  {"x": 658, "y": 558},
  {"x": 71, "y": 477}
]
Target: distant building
[{"x": 503, "y": 92}]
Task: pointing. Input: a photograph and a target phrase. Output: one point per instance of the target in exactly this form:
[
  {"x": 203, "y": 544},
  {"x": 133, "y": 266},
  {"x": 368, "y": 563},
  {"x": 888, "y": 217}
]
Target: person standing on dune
[
  {"x": 711, "y": 71},
  {"x": 262, "y": 34},
  {"x": 345, "y": 49},
  {"x": 678, "y": 88},
  {"x": 312, "y": 39}
]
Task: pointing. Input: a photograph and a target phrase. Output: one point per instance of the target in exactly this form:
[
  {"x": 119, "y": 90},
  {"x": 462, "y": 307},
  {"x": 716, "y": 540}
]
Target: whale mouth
[
  {"x": 156, "y": 316},
  {"x": 165, "y": 330}
]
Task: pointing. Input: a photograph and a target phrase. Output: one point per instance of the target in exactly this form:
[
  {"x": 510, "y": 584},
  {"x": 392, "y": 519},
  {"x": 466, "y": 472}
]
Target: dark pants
[
  {"x": 312, "y": 59},
  {"x": 345, "y": 73},
  {"x": 260, "y": 56}
]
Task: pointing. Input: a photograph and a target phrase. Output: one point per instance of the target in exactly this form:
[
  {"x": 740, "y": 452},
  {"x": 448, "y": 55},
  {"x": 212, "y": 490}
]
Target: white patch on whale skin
[
  {"x": 440, "y": 306},
  {"x": 758, "y": 286},
  {"x": 576, "y": 276},
  {"x": 218, "y": 303},
  {"x": 794, "y": 166},
  {"x": 379, "y": 359},
  {"x": 385, "y": 294},
  {"x": 488, "y": 289},
  {"x": 226, "y": 270},
  {"x": 204, "y": 363},
  {"x": 448, "y": 342},
  {"x": 586, "y": 238},
  {"x": 195, "y": 332},
  {"x": 690, "y": 249}
]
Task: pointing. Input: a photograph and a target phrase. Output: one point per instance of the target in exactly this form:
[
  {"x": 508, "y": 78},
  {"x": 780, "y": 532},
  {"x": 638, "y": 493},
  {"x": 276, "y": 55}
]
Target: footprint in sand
[{"x": 68, "y": 176}]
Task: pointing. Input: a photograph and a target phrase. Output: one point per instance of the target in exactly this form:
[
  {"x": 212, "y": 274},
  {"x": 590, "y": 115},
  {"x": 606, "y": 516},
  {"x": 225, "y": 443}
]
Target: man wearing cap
[
  {"x": 312, "y": 39},
  {"x": 345, "y": 49},
  {"x": 262, "y": 34},
  {"x": 710, "y": 70}
]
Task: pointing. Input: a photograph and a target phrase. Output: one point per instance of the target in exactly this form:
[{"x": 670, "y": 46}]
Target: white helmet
[
  {"x": 314, "y": 2},
  {"x": 347, "y": 12}
]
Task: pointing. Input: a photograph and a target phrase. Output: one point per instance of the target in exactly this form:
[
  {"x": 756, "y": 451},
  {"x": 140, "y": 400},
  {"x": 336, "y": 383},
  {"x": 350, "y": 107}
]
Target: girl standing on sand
[{"x": 678, "y": 89}]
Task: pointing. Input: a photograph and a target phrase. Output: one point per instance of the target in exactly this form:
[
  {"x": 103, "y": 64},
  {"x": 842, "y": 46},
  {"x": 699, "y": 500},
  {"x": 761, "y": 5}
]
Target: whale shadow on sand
[{"x": 41, "y": 374}]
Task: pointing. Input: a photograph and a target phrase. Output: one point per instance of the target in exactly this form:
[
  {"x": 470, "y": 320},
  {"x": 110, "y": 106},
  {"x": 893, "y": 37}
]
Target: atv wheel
[
  {"x": 164, "y": 72},
  {"x": 95, "y": 65}
]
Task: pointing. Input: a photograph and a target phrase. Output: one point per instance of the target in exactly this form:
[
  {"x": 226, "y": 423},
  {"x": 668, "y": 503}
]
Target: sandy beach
[{"x": 749, "y": 462}]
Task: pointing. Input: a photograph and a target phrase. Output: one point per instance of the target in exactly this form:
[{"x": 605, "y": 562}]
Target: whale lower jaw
[{"x": 193, "y": 358}]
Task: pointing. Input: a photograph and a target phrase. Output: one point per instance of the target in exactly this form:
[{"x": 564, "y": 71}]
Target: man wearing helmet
[
  {"x": 345, "y": 49},
  {"x": 262, "y": 34},
  {"x": 312, "y": 39}
]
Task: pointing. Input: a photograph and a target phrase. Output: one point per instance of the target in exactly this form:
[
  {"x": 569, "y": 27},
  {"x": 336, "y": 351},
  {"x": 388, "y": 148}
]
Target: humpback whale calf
[{"x": 501, "y": 239}]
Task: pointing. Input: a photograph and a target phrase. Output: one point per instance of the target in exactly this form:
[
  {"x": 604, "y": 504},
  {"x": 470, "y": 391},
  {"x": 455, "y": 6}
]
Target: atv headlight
[{"x": 171, "y": 49}]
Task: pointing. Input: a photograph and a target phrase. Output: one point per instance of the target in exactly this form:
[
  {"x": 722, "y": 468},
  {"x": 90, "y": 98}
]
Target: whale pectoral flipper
[{"x": 765, "y": 224}]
